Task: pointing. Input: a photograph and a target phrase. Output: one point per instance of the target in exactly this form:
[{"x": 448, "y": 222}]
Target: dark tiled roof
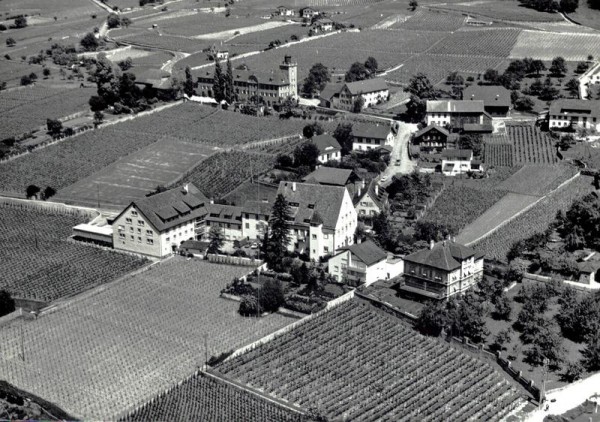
[
  {"x": 274, "y": 77},
  {"x": 379, "y": 198},
  {"x": 322, "y": 199},
  {"x": 590, "y": 108},
  {"x": 224, "y": 213},
  {"x": 475, "y": 127},
  {"x": 368, "y": 252},
  {"x": 258, "y": 207},
  {"x": 368, "y": 130},
  {"x": 491, "y": 95},
  {"x": 330, "y": 176},
  {"x": 173, "y": 207},
  {"x": 454, "y": 106},
  {"x": 330, "y": 90},
  {"x": 366, "y": 86},
  {"x": 326, "y": 143},
  {"x": 252, "y": 191},
  {"x": 432, "y": 127},
  {"x": 463, "y": 154},
  {"x": 444, "y": 255}
]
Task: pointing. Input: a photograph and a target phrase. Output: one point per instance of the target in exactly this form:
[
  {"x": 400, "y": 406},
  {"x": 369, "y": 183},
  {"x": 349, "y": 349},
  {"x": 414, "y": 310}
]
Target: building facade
[
  {"x": 583, "y": 114},
  {"x": 456, "y": 113},
  {"x": 373, "y": 91},
  {"x": 496, "y": 98},
  {"x": 371, "y": 201},
  {"x": 329, "y": 148},
  {"x": 431, "y": 138},
  {"x": 371, "y": 136}
]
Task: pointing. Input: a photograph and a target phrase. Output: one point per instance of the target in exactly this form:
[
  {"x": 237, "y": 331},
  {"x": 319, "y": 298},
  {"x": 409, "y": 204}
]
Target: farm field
[
  {"x": 166, "y": 42},
  {"x": 535, "y": 220},
  {"x": 547, "y": 45},
  {"x": 103, "y": 355},
  {"x": 498, "y": 152},
  {"x": 12, "y": 70},
  {"x": 40, "y": 263},
  {"x": 478, "y": 42},
  {"x": 26, "y": 109},
  {"x": 521, "y": 144},
  {"x": 60, "y": 8},
  {"x": 261, "y": 39},
  {"x": 509, "y": 10},
  {"x": 203, "y": 398},
  {"x": 356, "y": 362},
  {"x": 132, "y": 177},
  {"x": 537, "y": 180},
  {"x": 432, "y": 20}
]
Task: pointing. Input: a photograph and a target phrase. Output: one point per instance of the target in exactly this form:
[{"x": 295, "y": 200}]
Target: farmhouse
[
  {"x": 459, "y": 161},
  {"x": 273, "y": 87},
  {"x": 496, "y": 99},
  {"x": 156, "y": 225},
  {"x": 324, "y": 218},
  {"x": 330, "y": 91},
  {"x": 218, "y": 54},
  {"x": 576, "y": 113},
  {"x": 456, "y": 113},
  {"x": 373, "y": 91},
  {"x": 322, "y": 25},
  {"x": 433, "y": 138},
  {"x": 370, "y": 136},
  {"x": 371, "y": 201},
  {"x": 363, "y": 263},
  {"x": 308, "y": 12},
  {"x": 329, "y": 148},
  {"x": 284, "y": 11},
  {"x": 443, "y": 270}
]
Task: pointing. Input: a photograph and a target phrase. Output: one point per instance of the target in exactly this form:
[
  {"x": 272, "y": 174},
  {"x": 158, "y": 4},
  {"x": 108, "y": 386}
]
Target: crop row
[
  {"x": 536, "y": 220},
  {"x": 498, "y": 154},
  {"x": 531, "y": 145},
  {"x": 433, "y": 20},
  {"x": 485, "y": 42},
  {"x": 545, "y": 45},
  {"x": 39, "y": 262},
  {"x": 537, "y": 180},
  {"x": 363, "y": 365}
]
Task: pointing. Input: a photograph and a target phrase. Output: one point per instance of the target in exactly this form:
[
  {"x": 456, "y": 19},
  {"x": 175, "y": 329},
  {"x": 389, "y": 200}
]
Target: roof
[
  {"x": 455, "y": 106},
  {"x": 252, "y": 191},
  {"x": 224, "y": 213},
  {"x": 323, "y": 200},
  {"x": 258, "y": 207},
  {"x": 326, "y": 143},
  {"x": 172, "y": 207},
  {"x": 370, "y": 130},
  {"x": 475, "y": 127},
  {"x": 431, "y": 127},
  {"x": 158, "y": 78},
  {"x": 378, "y": 194},
  {"x": 368, "y": 252},
  {"x": 588, "y": 267},
  {"x": 464, "y": 154},
  {"x": 575, "y": 107},
  {"x": 330, "y": 176},
  {"x": 491, "y": 95},
  {"x": 273, "y": 77},
  {"x": 445, "y": 255},
  {"x": 194, "y": 244},
  {"x": 366, "y": 86},
  {"x": 330, "y": 90}
]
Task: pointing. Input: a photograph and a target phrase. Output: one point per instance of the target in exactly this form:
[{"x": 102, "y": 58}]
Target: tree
[
  {"x": 569, "y": 6},
  {"x": 271, "y": 295},
  {"x": 188, "y": 86},
  {"x": 218, "y": 87},
  {"x": 548, "y": 92},
  {"x": 416, "y": 109},
  {"x": 455, "y": 79},
  {"x": 467, "y": 317},
  {"x": 558, "y": 66},
  {"x": 311, "y": 130},
  {"x": 491, "y": 76},
  {"x": 230, "y": 95},
  {"x": 279, "y": 233},
  {"x": 573, "y": 372},
  {"x": 216, "y": 239},
  {"x": 582, "y": 67},
  {"x": 113, "y": 21},
  {"x": 20, "y": 22},
  {"x": 98, "y": 118},
  {"x": 10, "y": 41},
  {"x": 524, "y": 103},
  {"x": 125, "y": 64},
  {"x": 343, "y": 134},
  {"x": 501, "y": 339},
  {"x": 31, "y": 191},
  {"x": 420, "y": 86},
  {"x": 306, "y": 154},
  {"x": 48, "y": 193},
  {"x": 357, "y": 72},
  {"x": 97, "y": 103},
  {"x": 413, "y": 5},
  {"x": 359, "y": 103},
  {"x": 536, "y": 66},
  {"x": 317, "y": 78},
  {"x": 591, "y": 353},
  {"x": 284, "y": 161},
  {"x": 54, "y": 127},
  {"x": 432, "y": 319},
  {"x": 381, "y": 227},
  {"x": 472, "y": 142},
  {"x": 7, "y": 303},
  {"x": 502, "y": 308},
  {"x": 300, "y": 274},
  {"x": 371, "y": 65},
  {"x": 546, "y": 344},
  {"x": 106, "y": 82},
  {"x": 572, "y": 87},
  {"x": 89, "y": 42}
]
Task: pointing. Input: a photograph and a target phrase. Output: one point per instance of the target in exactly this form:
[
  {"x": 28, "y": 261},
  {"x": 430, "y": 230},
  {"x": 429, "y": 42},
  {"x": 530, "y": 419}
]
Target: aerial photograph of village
[{"x": 300, "y": 210}]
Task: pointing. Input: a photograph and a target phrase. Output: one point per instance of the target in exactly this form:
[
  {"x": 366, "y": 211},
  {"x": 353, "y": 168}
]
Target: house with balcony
[
  {"x": 433, "y": 139},
  {"x": 441, "y": 271},
  {"x": 363, "y": 263},
  {"x": 308, "y": 12},
  {"x": 583, "y": 114}
]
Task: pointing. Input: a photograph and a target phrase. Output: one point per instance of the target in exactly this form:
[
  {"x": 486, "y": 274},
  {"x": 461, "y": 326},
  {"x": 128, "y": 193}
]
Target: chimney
[
  {"x": 431, "y": 244},
  {"x": 358, "y": 240},
  {"x": 294, "y": 186},
  {"x": 363, "y": 183},
  {"x": 497, "y": 97},
  {"x": 186, "y": 189},
  {"x": 359, "y": 190}
]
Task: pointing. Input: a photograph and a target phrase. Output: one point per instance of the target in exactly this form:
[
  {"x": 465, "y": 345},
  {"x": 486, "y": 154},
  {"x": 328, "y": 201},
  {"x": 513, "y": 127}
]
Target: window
[
  {"x": 128, "y": 220},
  {"x": 314, "y": 236},
  {"x": 139, "y": 230},
  {"x": 168, "y": 239},
  {"x": 149, "y": 233},
  {"x": 140, "y": 222},
  {"x": 132, "y": 237},
  {"x": 325, "y": 236},
  {"x": 134, "y": 213},
  {"x": 326, "y": 249},
  {"x": 150, "y": 241},
  {"x": 139, "y": 239},
  {"x": 131, "y": 229},
  {"x": 122, "y": 235},
  {"x": 247, "y": 225}
]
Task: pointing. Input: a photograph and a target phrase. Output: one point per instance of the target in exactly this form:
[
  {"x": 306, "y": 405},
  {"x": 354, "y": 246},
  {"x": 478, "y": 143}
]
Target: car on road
[
  {"x": 398, "y": 162},
  {"x": 383, "y": 179},
  {"x": 254, "y": 245}
]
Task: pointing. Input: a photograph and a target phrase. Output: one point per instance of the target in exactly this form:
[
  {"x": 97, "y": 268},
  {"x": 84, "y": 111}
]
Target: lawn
[
  {"x": 537, "y": 180},
  {"x": 40, "y": 263},
  {"x": 432, "y": 20},
  {"x": 114, "y": 350}
]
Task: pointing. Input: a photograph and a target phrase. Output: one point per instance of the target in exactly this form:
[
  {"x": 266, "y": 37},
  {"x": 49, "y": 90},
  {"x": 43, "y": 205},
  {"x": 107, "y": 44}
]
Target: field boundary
[{"x": 32, "y": 204}]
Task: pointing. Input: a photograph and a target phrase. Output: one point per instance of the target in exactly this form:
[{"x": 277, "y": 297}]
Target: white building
[
  {"x": 284, "y": 11},
  {"x": 363, "y": 263},
  {"x": 373, "y": 91},
  {"x": 371, "y": 201},
  {"x": 329, "y": 148},
  {"x": 456, "y": 113},
  {"x": 582, "y": 114},
  {"x": 324, "y": 218},
  {"x": 459, "y": 161},
  {"x": 371, "y": 136}
]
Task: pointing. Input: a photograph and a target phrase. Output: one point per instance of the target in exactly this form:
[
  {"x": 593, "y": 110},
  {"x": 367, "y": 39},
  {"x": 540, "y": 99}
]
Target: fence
[{"x": 234, "y": 260}]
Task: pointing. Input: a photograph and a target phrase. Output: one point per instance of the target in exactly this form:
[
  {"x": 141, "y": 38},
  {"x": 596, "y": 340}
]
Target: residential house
[
  {"x": 323, "y": 218},
  {"x": 273, "y": 87},
  {"x": 157, "y": 225},
  {"x": 456, "y": 113},
  {"x": 329, "y": 148},
  {"x": 433, "y": 138},
  {"x": 363, "y": 263},
  {"x": 371, "y": 201},
  {"x": 194, "y": 247},
  {"x": 443, "y": 270},
  {"x": 284, "y": 11},
  {"x": 308, "y": 12},
  {"x": 496, "y": 98},
  {"x": 255, "y": 219},
  {"x": 218, "y": 54},
  {"x": 328, "y": 93},
  {"x": 332, "y": 176},
  {"x": 228, "y": 218},
  {"x": 373, "y": 91},
  {"x": 459, "y": 161},
  {"x": 370, "y": 136},
  {"x": 322, "y": 25},
  {"x": 155, "y": 80},
  {"x": 584, "y": 114},
  {"x": 588, "y": 271}
]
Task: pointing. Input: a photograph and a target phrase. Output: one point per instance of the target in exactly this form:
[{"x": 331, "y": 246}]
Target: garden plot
[{"x": 547, "y": 45}]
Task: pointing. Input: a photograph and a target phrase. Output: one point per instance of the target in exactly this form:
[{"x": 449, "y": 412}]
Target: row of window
[
  {"x": 573, "y": 118},
  {"x": 130, "y": 221},
  {"x": 139, "y": 238}
]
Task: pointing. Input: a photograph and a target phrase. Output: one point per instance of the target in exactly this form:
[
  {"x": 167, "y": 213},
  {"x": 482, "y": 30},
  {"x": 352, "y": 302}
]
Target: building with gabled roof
[
  {"x": 284, "y": 11},
  {"x": 308, "y": 12},
  {"x": 373, "y": 91},
  {"x": 366, "y": 136},
  {"x": 456, "y": 113},
  {"x": 433, "y": 138},
  {"x": 371, "y": 201},
  {"x": 362, "y": 263},
  {"x": 459, "y": 161},
  {"x": 331, "y": 176},
  {"x": 323, "y": 218},
  {"x": 496, "y": 98},
  {"x": 322, "y": 25},
  {"x": 443, "y": 270},
  {"x": 329, "y": 148},
  {"x": 565, "y": 113}
]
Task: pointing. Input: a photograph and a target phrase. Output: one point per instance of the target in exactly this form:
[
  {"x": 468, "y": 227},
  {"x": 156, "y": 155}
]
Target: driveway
[{"x": 400, "y": 151}]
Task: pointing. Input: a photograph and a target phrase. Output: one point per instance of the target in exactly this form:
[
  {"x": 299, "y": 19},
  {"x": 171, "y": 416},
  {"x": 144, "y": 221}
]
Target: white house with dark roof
[
  {"x": 458, "y": 161},
  {"x": 363, "y": 263},
  {"x": 443, "y": 270},
  {"x": 456, "y": 113},
  {"x": 323, "y": 218},
  {"x": 373, "y": 91},
  {"x": 564, "y": 113},
  {"x": 371, "y": 136},
  {"x": 322, "y": 25},
  {"x": 329, "y": 148},
  {"x": 332, "y": 176},
  {"x": 308, "y": 12},
  {"x": 371, "y": 201},
  {"x": 284, "y": 11}
]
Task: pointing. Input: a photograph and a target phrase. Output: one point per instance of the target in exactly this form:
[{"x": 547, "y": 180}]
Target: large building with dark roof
[
  {"x": 457, "y": 113},
  {"x": 368, "y": 136},
  {"x": 566, "y": 113},
  {"x": 496, "y": 98},
  {"x": 443, "y": 270},
  {"x": 373, "y": 91},
  {"x": 273, "y": 86}
]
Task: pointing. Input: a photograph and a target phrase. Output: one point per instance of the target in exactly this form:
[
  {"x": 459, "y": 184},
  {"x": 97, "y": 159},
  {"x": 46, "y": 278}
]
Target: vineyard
[
  {"x": 108, "y": 353},
  {"x": 537, "y": 180},
  {"x": 547, "y": 45},
  {"x": 40, "y": 263},
  {"x": 484, "y": 42},
  {"x": 504, "y": 10},
  {"x": 202, "y": 398},
  {"x": 537, "y": 219},
  {"x": 154, "y": 40},
  {"x": 357, "y": 363},
  {"x": 26, "y": 109},
  {"x": 498, "y": 152},
  {"x": 433, "y": 20},
  {"x": 223, "y": 172},
  {"x": 521, "y": 144}
]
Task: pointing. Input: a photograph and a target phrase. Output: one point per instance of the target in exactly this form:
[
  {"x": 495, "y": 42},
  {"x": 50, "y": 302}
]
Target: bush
[
  {"x": 573, "y": 372},
  {"x": 248, "y": 306}
]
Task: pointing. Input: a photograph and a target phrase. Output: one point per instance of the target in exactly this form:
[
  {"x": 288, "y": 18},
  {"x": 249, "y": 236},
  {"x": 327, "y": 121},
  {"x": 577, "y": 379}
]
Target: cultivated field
[
  {"x": 150, "y": 38},
  {"x": 498, "y": 152},
  {"x": 132, "y": 177},
  {"x": 12, "y": 70},
  {"x": 509, "y": 10},
  {"x": 521, "y": 144},
  {"x": 39, "y": 262},
  {"x": 118, "y": 348},
  {"x": 536, "y": 220},
  {"x": 537, "y": 180},
  {"x": 26, "y": 109},
  {"x": 203, "y": 398},
  {"x": 357, "y": 363},
  {"x": 547, "y": 45},
  {"x": 478, "y": 42},
  {"x": 433, "y": 20}
]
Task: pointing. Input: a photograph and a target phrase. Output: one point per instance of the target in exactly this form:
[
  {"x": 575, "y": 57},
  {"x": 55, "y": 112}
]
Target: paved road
[{"x": 400, "y": 151}]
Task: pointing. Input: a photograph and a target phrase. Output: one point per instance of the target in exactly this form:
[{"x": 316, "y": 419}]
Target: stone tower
[{"x": 291, "y": 67}]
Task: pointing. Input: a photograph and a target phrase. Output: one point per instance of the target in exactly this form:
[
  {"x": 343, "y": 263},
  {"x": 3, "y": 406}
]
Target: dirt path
[{"x": 400, "y": 151}]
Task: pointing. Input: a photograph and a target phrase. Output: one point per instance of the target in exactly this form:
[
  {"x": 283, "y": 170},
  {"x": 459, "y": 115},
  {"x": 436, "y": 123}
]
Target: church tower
[{"x": 291, "y": 67}]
